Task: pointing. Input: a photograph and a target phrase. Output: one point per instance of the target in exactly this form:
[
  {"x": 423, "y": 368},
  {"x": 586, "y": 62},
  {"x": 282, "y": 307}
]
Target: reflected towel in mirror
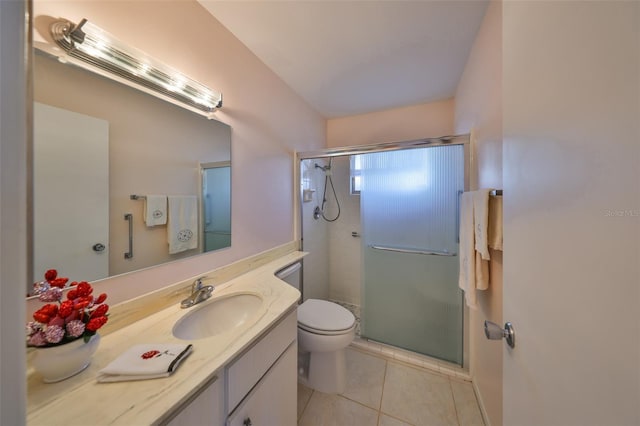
[
  {"x": 155, "y": 210},
  {"x": 182, "y": 225}
]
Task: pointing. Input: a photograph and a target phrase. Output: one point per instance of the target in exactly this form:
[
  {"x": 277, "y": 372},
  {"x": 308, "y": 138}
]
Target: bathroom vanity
[
  {"x": 242, "y": 394},
  {"x": 229, "y": 379}
]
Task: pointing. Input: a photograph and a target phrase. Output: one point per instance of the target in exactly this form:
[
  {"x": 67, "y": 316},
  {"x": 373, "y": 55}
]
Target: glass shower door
[{"x": 409, "y": 212}]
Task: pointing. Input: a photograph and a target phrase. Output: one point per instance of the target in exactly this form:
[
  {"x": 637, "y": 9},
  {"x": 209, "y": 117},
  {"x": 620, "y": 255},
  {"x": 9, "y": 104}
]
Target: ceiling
[{"x": 353, "y": 57}]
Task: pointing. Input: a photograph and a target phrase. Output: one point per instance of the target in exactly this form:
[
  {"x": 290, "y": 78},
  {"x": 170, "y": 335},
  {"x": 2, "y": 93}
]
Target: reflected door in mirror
[{"x": 71, "y": 194}]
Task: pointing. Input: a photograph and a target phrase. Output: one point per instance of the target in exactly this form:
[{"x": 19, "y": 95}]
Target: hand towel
[
  {"x": 481, "y": 221},
  {"x": 495, "y": 222},
  {"x": 182, "y": 226},
  {"x": 145, "y": 361},
  {"x": 155, "y": 210}
]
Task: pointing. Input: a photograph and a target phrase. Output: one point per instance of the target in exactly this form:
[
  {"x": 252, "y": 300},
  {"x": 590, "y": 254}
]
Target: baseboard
[{"x": 483, "y": 411}]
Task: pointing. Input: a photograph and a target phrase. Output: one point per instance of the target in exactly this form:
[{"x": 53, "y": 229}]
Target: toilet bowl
[{"x": 325, "y": 329}]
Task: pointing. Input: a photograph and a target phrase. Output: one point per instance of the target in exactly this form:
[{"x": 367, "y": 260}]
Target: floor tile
[
  {"x": 365, "y": 377},
  {"x": 466, "y": 404},
  {"x": 417, "y": 396},
  {"x": 406, "y": 396},
  {"x": 304, "y": 394},
  {"x": 334, "y": 410},
  {"x": 390, "y": 421}
]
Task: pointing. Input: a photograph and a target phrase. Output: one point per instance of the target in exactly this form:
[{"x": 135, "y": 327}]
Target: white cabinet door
[
  {"x": 245, "y": 372},
  {"x": 272, "y": 402},
  {"x": 204, "y": 409}
]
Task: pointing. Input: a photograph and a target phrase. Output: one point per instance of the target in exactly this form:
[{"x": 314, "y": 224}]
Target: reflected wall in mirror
[{"x": 153, "y": 147}]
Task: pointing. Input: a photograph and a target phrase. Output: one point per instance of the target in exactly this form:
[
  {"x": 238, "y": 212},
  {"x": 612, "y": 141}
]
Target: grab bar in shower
[{"x": 414, "y": 251}]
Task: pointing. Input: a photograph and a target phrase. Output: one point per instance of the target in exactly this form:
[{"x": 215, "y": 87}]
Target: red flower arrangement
[{"x": 80, "y": 315}]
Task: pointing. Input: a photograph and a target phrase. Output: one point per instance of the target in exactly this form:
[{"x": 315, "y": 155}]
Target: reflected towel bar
[
  {"x": 414, "y": 251},
  {"x": 129, "y": 217}
]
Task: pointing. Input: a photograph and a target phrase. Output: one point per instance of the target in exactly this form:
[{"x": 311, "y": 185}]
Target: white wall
[
  {"x": 13, "y": 213},
  {"x": 393, "y": 125},
  {"x": 478, "y": 107},
  {"x": 572, "y": 212},
  {"x": 269, "y": 122}
]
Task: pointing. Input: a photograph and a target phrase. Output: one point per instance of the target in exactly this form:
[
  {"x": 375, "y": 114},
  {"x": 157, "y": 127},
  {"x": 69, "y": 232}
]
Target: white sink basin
[{"x": 218, "y": 316}]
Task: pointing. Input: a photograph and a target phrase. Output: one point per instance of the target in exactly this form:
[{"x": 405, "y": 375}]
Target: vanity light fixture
[{"x": 94, "y": 46}]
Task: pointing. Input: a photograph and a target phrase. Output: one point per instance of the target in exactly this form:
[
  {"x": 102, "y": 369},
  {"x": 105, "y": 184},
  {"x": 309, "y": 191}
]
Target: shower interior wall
[
  {"x": 333, "y": 268},
  {"x": 345, "y": 254},
  {"x": 315, "y": 278}
]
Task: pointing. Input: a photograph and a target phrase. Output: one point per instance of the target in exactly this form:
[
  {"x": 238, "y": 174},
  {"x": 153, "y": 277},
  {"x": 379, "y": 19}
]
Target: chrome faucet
[{"x": 199, "y": 293}]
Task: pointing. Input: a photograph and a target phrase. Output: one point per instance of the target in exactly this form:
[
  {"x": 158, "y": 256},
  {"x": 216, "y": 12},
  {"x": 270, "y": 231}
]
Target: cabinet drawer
[{"x": 247, "y": 370}]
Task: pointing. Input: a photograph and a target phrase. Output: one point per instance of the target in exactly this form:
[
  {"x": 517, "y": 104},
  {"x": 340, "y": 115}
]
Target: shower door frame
[{"x": 469, "y": 183}]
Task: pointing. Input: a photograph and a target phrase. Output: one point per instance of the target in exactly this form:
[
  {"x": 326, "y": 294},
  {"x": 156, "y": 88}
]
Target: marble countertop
[{"x": 81, "y": 400}]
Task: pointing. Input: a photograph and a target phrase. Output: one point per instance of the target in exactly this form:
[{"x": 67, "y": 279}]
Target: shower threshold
[{"x": 411, "y": 358}]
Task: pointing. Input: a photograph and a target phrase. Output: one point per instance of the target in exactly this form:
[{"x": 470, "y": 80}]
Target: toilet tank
[{"x": 292, "y": 274}]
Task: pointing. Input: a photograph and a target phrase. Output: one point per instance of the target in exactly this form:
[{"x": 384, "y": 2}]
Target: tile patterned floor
[{"x": 387, "y": 392}]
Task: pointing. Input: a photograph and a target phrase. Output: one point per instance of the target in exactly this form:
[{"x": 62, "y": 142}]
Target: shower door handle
[
  {"x": 414, "y": 251},
  {"x": 458, "y": 216}
]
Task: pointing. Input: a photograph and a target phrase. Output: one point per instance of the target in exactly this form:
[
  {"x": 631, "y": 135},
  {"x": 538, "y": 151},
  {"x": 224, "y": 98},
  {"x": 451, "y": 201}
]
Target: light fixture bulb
[{"x": 97, "y": 48}]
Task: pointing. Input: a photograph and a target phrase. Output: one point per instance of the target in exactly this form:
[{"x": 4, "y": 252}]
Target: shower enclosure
[
  {"x": 400, "y": 208},
  {"x": 216, "y": 205}
]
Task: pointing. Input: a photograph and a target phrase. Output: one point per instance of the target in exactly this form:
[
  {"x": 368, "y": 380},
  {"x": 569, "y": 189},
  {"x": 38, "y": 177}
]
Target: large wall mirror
[{"x": 97, "y": 142}]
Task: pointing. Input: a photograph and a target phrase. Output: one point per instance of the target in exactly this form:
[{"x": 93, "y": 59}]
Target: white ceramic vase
[{"x": 57, "y": 363}]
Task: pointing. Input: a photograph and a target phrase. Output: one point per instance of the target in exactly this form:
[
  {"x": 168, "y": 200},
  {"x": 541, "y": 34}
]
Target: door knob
[
  {"x": 494, "y": 332},
  {"x": 98, "y": 247}
]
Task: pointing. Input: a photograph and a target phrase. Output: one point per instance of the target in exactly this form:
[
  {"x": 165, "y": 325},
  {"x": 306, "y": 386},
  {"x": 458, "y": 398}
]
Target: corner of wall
[{"x": 478, "y": 110}]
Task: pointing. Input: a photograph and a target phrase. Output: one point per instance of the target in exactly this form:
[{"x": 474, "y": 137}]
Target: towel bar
[{"x": 414, "y": 251}]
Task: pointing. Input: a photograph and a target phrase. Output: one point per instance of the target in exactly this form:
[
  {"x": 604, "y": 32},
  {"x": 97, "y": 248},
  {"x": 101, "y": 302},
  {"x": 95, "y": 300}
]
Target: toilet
[{"x": 325, "y": 329}]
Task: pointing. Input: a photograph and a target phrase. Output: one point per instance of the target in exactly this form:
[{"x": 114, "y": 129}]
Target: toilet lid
[{"x": 324, "y": 316}]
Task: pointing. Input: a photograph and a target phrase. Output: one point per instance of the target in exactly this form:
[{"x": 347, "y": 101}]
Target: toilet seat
[{"x": 325, "y": 318}]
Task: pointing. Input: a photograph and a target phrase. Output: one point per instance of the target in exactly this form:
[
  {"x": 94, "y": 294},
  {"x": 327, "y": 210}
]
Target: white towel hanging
[
  {"x": 155, "y": 210},
  {"x": 481, "y": 221},
  {"x": 467, "y": 278},
  {"x": 182, "y": 226},
  {"x": 474, "y": 269}
]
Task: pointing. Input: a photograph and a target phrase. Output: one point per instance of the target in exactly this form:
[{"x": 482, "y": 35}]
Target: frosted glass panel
[{"x": 409, "y": 202}]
